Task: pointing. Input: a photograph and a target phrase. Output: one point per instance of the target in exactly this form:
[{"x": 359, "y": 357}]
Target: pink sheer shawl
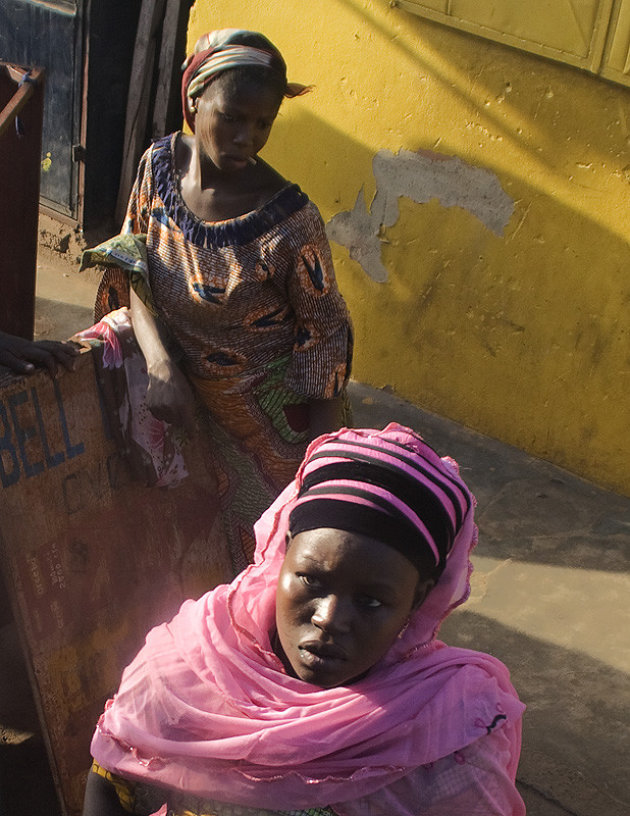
[{"x": 206, "y": 707}]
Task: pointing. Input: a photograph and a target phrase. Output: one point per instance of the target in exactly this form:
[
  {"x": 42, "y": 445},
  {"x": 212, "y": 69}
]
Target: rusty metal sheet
[{"x": 91, "y": 559}]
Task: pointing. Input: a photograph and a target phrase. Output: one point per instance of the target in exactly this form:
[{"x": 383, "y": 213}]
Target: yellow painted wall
[{"x": 522, "y": 335}]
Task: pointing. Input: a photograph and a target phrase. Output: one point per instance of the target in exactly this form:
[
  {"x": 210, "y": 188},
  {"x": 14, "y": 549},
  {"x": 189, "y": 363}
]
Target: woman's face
[
  {"x": 233, "y": 122},
  {"x": 341, "y": 601}
]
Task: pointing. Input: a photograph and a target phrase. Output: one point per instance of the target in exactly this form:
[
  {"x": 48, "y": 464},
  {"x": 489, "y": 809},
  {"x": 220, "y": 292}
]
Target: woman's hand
[
  {"x": 169, "y": 394},
  {"x": 23, "y": 356}
]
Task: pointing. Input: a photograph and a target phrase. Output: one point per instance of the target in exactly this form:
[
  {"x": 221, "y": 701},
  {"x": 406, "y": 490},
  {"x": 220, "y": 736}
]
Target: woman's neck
[{"x": 215, "y": 195}]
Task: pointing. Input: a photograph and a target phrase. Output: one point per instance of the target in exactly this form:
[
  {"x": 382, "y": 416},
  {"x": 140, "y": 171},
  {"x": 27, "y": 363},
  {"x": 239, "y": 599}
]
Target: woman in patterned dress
[
  {"x": 314, "y": 683},
  {"x": 233, "y": 300}
]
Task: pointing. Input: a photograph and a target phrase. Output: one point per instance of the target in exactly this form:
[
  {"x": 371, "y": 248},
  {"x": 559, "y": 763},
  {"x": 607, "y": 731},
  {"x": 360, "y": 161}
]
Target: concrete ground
[{"x": 550, "y": 598}]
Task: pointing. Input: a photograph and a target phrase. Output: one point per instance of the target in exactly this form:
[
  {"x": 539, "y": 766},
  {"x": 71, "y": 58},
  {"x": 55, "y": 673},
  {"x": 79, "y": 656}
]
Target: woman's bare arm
[{"x": 169, "y": 395}]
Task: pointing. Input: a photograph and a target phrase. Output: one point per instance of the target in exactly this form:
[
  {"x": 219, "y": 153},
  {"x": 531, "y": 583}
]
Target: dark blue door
[{"x": 48, "y": 33}]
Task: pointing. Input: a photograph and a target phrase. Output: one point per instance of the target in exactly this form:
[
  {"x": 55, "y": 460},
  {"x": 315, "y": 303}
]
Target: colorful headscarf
[
  {"x": 220, "y": 50},
  {"x": 208, "y": 708}
]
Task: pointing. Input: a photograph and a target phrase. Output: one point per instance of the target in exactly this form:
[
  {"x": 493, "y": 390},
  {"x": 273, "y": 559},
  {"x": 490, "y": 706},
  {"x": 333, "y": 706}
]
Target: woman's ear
[{"x": 422, "y": 590}]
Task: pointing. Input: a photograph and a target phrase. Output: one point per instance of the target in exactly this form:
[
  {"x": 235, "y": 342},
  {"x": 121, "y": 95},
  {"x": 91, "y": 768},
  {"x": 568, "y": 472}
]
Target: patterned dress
[{"x": 256, "y": 320}]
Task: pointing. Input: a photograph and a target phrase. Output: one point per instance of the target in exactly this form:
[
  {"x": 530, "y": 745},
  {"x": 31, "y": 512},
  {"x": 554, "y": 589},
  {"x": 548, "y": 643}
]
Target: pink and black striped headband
[{"x": 387, "y": 490}]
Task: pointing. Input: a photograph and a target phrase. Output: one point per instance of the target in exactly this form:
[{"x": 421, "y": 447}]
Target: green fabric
[
  {"x": 273, "y": 395},
  {"x": 128, "y": 252}
]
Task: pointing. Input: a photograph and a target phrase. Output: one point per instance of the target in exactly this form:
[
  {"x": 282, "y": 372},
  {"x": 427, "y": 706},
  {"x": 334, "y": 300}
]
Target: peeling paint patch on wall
[{"x": 421, "y": 177}]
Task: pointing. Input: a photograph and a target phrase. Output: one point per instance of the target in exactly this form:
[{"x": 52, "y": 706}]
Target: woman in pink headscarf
[{"x": 314, "y": 682}]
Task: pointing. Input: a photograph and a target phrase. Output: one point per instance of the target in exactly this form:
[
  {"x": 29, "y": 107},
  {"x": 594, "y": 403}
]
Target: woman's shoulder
[
  {"x": 269, "y": 181},
  {"x": 305, "y": 225},
  {"x": 160, "y": 147},
  {"x": 155, "y": 164},
  {"x": 280, "y": 218}
]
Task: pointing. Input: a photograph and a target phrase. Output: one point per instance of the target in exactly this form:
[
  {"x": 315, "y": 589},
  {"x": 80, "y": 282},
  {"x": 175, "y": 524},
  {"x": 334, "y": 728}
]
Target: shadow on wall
[
  {"x": 459, "y": 65},
  {"x": 572, "y": 754},
  {"x": 335, "y": 169},
  {"x": 517, "y": 323}
]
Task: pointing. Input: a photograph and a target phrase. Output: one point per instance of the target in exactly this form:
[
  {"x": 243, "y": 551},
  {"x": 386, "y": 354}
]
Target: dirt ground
[{"x": 65, "y": 296}]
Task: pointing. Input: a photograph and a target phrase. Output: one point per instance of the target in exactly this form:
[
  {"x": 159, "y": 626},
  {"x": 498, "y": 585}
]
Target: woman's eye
[
  {"x": 310, "y": 581},
  {"x": 227, "y": 117},
  {"x": 369, "y": 602}
]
